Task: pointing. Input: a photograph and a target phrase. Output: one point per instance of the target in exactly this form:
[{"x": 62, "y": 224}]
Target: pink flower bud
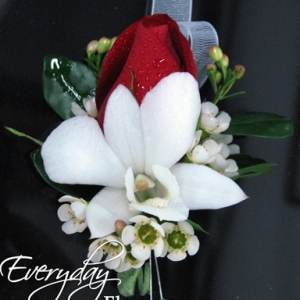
[
  {"x": 211, "y": 68},
  {"x": 120, "y": 225},
  {"x": 239, "y": 71},
  {"x": 92, "y": 46}
]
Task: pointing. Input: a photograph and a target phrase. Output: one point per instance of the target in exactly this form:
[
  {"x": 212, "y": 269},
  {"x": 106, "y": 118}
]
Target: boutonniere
[{"x": 139, "y": 148}]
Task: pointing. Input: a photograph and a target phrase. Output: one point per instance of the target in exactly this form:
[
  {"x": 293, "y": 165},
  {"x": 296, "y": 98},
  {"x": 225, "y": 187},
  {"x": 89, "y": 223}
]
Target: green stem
[{"x": 21, "y": 134}]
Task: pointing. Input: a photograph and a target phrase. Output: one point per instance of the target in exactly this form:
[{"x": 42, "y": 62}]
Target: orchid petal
[
  {"x": 129, "y": 184},
  {"x": 77, "y": 153},
  {"x": 123, "y": 129},
  {"x": 176, "y": 210},
  {"x": 169, "y": 114},
  {"x": 204, "y": 188},
  {"x": 168, "y": 180},
  {"x": 108, "y": 206}
]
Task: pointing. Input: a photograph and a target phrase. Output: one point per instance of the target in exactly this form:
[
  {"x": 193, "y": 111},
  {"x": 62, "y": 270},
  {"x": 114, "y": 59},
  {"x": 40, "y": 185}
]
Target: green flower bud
[
  {"x": 225, "y": 60},
  {"x": 239, "y": 71},
  {"x": 104, "y": 45},
  {"x": 112, "y": 41},
  {"x": 215, "y": 53},
  {"x": 211, "y": 68},
  {"x": 218, "y": 76},
  {"x": 92, "y": 47}
]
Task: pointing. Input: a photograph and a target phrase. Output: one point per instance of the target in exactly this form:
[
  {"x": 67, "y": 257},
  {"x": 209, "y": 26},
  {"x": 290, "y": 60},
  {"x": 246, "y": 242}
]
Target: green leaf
[
  {"x": 87, "y": 192},
  {"x": 128, "y": 281},
  {"x": 66, "y": 81},
  {"x": 144, "y": 280},
  {"x": 21, "y": 134},
  {"x": 250, "y": 167},
  {"x": 260, "y": 124},
  {"x": 197, "y": 226},
  {"x": 245, "y": 160}
]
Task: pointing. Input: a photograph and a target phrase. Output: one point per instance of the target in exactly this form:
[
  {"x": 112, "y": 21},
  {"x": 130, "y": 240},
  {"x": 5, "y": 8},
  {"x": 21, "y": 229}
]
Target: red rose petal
[{"x": 147, "y": 51}]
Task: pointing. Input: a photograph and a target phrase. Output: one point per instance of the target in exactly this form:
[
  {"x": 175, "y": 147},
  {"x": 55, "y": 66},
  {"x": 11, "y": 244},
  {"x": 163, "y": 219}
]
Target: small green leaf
[
  {"x": 250, "y": 167},
  {"x": 86, "y": 192},
  {"x": 197, "y": 226},
  {"x": 245, "y": 160},
  {"x": 128, "y": 281},
  {"x": 66, "y": 81},
  {"x": 21, "y": 134},
  {"x": 144, "y": 280},
  {"x": 260, "y": 124}
]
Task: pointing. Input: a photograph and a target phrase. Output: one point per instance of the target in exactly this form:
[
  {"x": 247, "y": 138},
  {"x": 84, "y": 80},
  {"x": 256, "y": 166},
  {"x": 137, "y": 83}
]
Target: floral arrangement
[{"x": 137, "y": 149}]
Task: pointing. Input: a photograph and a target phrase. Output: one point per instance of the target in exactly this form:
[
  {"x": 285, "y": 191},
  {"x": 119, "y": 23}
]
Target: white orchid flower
[
  {"x": 72, "y": 214},
  {"x": 138, "y": 138}
]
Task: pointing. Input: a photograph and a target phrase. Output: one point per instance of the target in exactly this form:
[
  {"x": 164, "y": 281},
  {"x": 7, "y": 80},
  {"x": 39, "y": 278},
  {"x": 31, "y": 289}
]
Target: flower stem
[{"x": 18, "y": 133}]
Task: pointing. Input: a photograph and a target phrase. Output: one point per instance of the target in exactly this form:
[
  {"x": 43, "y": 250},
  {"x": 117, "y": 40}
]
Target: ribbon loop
[{"x": 200, "y": 34}]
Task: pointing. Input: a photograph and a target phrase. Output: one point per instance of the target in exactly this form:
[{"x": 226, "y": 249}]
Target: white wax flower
[
  {"x": 73, "y": 214},
  {"x": 178, "y": 240},
  {"x": 144, "y": 236},
  {"x": 110, "y": 247},
  {"x": 211, "y": 120}
]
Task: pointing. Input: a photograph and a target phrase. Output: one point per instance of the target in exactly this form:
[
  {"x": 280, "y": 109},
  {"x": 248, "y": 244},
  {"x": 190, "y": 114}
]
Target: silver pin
[{"x": 158, "y": 279}]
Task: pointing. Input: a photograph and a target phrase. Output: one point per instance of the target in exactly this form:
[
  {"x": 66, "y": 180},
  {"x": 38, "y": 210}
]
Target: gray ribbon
[{"x": 200, "y": 34}]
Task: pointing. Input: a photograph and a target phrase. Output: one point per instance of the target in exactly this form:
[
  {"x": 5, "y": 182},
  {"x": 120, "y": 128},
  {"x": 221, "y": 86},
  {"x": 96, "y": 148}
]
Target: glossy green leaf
[
  {"x": 260, "y": 124},
  {"x": 250, "y": 166},
  {"x": 128, "y": 281},
  {"x": 66, "y": 81},
  {"x": 86, "y": 192}
]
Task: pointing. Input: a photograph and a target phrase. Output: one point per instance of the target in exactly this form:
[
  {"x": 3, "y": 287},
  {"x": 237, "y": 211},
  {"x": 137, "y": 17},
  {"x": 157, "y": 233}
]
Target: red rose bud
[
  {"x": 239, "y": 71},
  {"x": 150, "y": 49},
  {"x": 225, "y": 60},
  {"x": 103, "y": 45},
  {"x": 92, "y": 46},
  {"x": 215, "y": 53}
]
